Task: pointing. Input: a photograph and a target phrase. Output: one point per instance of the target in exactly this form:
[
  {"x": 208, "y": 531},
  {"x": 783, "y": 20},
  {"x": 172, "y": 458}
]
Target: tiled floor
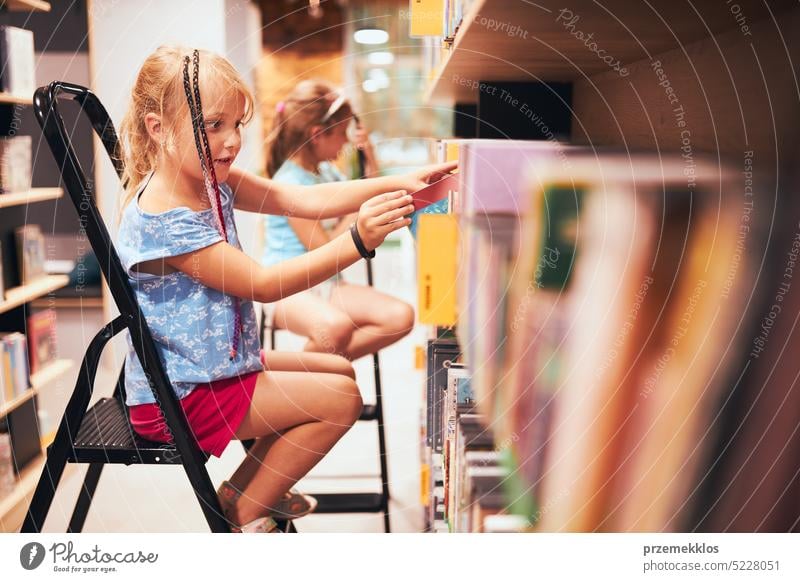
[{"x": 159, "y": 499}]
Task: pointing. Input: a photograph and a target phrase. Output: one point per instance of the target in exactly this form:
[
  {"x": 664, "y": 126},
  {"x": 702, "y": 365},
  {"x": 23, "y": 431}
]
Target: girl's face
[
  {"x": 223, "y": 122},
  {"x": 329, "y": 142}
]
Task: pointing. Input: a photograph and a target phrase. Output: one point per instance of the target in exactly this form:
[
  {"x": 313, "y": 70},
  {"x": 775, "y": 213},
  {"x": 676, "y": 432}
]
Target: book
[
  {"x": 477, "y": 464},
  {"x": 426, "y": 18},
  {"x": 2, "y": 275},
  {"x": 6, "y": 392},
  {"x": 486, "y": 497},
  {"x": 8, "y": 378},
  {"x": 41, "y": 332},
  {"x": 7, "y": 478},
  {"x": 458, "y": 398},
  {"x": 17, "y": 52},
  {"x": 30, "y": 252},
  {"x": 441, "y": 354},
  {"x": 494, "y": 173},
  {"x": 16, "y": 351},
  {"x": 602, "y": 359},
  {"x": 437, "y": 264},
  {"x": 676, "y": 406},
  {"x": 592, "y": 232},
  {"x": 489, "y": 255},
  {"x": 15, "y": 163},
  {"x": 474, "y": 447},
  {"x": 439, "y": 190}
]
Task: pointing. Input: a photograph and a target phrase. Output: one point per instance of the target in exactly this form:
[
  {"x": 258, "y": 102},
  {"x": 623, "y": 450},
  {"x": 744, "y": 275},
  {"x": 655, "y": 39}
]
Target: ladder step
[
  {"x": 369, "y": 412},
  {"x": 348, "y": 502}
]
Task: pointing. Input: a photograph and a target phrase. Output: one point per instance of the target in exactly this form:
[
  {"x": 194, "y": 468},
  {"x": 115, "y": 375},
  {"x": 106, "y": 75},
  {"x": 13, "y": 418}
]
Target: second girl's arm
[{"x": 256, "y": 194}]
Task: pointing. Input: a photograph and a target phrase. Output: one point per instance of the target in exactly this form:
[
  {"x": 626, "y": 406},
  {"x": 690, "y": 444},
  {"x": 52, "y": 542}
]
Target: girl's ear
[
  {"x": 314, "y": 132},
  {"x": 155, "y": 130}
]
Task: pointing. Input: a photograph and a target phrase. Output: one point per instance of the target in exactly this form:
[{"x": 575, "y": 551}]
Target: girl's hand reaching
[
  {"x": 381, "y": 215},
  {"x": 428, "y": 175}
]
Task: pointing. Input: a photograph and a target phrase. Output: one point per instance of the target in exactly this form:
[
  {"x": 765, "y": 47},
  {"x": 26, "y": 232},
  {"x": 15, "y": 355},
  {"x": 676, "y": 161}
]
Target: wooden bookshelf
[
  {"x": 27, "y": 5},
  {"x": 69, "y": 303},
  {"x": 48, "y": 439},
  {"x": 17, "y": 402},
  {"x": 30, "y": 196},
  {"x": 38, "y": 380},
  {"x": 10, "y": 99},
  {"x": 668, "y": 76},
  {"x": 545, "y": 47},
  {"x": 16, "y": 296},
  {"x": 12, "y": 504},
  {"x": 50, "y": 373}
]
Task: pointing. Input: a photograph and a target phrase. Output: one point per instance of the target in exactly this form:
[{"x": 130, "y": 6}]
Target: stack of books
[
  {"x": 616, "y": 355},
  {"x": 599, "y": 305}
]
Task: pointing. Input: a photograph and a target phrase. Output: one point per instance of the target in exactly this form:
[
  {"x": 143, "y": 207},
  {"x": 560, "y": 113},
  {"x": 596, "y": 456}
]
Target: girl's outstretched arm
[
  {"x": 256, "y": 194},
  {"x": 225, "y": 268}
]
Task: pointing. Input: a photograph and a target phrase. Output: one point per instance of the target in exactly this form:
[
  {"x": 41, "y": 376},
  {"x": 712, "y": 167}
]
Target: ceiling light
[
  {"x": 370, "y": 86},
  {"x": 379, "y": 77},
  {"x": 371, "y": 36},
  {"x": 380, "y": 58}
]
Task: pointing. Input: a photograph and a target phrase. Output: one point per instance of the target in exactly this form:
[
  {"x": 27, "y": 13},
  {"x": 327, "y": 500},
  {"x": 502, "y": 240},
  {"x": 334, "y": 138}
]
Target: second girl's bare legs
[{"x": 356, "y": 321}]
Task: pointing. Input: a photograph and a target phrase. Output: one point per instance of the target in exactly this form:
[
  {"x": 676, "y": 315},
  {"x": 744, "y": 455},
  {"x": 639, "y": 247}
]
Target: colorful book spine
[
  {"x": 16, "y": 362},
  {"x": 437, "y": 267},
  {"x": 494, "y": 173},
  {"x": 16, "y": 49}
]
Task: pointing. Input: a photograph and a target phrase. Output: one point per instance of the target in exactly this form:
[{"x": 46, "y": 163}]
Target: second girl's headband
[{"x": 335, "y": 106}]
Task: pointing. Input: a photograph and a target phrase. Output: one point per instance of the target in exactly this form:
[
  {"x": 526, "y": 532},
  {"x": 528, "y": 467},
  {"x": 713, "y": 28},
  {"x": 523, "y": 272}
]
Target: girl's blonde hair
[
  {"x": 304, "y": 107},
  {"x": 159, "y": 89}
]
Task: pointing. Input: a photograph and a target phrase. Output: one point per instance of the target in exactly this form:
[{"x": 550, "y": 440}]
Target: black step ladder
[
  {"x": 356, "y": 502},
  {"x": 102, "y": 434}
]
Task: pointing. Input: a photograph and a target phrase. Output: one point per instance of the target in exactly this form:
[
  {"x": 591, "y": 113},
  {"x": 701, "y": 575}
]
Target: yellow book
[
  {"x": 437, "y": 266},
  {"x": 419, "y": 358},
  {"x": 427, "y": 18},
  {"x": 424, "y": 481},
  {"x": 8, "y": 381},
  {"x": 451, "y": 150}
]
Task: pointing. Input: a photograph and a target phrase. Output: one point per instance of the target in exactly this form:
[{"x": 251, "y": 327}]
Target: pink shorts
[{"x": 214, "y": 411}]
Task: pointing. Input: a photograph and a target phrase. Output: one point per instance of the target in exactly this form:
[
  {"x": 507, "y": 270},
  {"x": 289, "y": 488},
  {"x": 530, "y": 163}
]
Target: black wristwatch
[{"x": 362, "y": 250}]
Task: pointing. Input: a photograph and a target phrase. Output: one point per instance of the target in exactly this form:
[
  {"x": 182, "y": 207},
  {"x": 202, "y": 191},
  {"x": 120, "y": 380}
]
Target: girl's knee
[
  {"x": 343, "y": 366},
  {"x": 348, "y": 402},
  {"x": 334, "y": 334},
  {"x": 400, "y": 317}
]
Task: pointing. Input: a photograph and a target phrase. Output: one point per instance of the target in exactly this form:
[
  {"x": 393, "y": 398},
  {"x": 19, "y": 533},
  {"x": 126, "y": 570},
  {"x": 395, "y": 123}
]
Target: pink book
[
  {"x": 434, "y": 192},
  {"x": 493, "y": 173}
]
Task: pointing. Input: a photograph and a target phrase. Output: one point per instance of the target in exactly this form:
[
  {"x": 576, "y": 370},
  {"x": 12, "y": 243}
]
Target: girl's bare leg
[
  {"x": 379, "y": 319},
  {"x": 286, "y": 362},
  {"x": 357, "y": 320},
  {"x": 310, "y": 411}
]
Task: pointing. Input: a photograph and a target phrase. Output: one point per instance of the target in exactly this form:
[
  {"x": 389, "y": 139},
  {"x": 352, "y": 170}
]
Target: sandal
[
  {"x": 293, "y": 505},
  {"x": 260, "y": 525}
]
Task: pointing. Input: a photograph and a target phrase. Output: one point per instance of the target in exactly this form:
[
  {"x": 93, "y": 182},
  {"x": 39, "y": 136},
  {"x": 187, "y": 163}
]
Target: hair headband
[{"x": 335, "y": 106}]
